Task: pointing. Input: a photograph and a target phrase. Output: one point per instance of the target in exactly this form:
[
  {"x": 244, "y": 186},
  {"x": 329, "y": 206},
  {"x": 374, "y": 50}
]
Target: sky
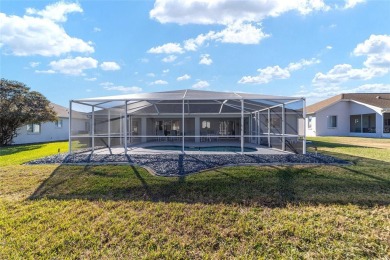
[{"x": 307, "y": 48}]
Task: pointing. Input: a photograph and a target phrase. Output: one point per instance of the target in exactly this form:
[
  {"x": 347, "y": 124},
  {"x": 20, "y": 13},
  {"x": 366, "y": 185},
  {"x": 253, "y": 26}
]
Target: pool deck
[{"x": 141, "y": 148}]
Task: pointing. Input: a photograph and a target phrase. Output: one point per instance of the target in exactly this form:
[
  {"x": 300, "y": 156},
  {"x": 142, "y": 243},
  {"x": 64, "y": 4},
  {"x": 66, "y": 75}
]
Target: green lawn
[
  {"x": 19, "y": 154},
  {"x": 57, "y": 211},
  {"x": 373, "y": 148}
]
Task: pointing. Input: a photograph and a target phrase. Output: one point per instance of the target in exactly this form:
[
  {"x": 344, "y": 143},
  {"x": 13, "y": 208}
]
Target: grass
[
  {"x": 19, "y": 154},
  {"x": 57, "y": 211},
  {"x": 373, "y": 148}
]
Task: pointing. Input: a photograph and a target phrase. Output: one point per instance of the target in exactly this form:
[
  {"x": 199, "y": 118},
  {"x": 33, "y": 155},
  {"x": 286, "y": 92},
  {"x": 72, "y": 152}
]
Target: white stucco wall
[
  {"x": 343, "y": 110},
  {"x": 49, "y": 132},
  {"x": 311, "y": 131}
]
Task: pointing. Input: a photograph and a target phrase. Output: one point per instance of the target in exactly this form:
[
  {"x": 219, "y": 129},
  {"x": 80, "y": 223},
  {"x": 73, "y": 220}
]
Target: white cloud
[
  {"x": 205, "y": 59},
  {"x": 266, "y": 75},
  {"x": 372, "y": 88},
  {"x": 73, "y": 66},
  {"x": 150, "y": 74},
  {"x": 344, "y": 72},
  {"x": 109, "y": 65},
  {"x": 352, "y": 3},
  {"x": 133, "y": 89},
  {"x": 376, "y": 44},
  {"x": 194, "y": 43},
  {"x": 329, "y": 47},
  {"x": 321, "y": 93},
  {"x": 97, "y": 29},
  {"x": 243, "y": 33},
  {"x": 201, "y": 84},
  {"x": 45, "y": 71},
  {"x": 377, "y": 50},
  {"x": 184, "y": 77},
  {"x": 34, "y": 64},
  {"x": 377, "y": 63},
  {"x": 167, "y": 48},
  {"x": 276, "y": 72},
  {"x": 166, "y": 71},
  {"x": 111, "y": 86},
  {"x": 90, "y": 79},
  {"x": 56, "y": 12},
  {"x": 293, "y": 66},
  {"x": 240, "y": 18},
  {"x": 159, "y": 82},
  {"x": 238, "y": 33},
  {"x": 106, "y": 84},
  {"x": 42, "y": 35},
  {"x": 170, "y": 58},
  {"x": 226, "y": 11}
]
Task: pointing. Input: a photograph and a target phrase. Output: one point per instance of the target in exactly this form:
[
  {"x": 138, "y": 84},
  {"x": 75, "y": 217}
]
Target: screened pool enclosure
[{"x": 186, "y": 118}]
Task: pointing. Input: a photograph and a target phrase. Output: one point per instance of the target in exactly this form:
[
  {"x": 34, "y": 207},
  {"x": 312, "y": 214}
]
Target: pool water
[{"x": 202, "y": 149}]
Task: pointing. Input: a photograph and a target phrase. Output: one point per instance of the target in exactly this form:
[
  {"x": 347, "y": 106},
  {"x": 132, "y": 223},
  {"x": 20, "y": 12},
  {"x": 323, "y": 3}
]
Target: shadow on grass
[
  {"x": 7, "y": 150},
  {"x": 367, "y": 185},
  {"x": 324, "y": 144}
]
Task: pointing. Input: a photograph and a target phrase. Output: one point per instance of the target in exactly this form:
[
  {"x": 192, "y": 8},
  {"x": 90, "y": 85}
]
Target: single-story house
[
  {"x": 45, "y": 132},
  {"x": 187, "y": 118},
  {"x": 350, "y": 114}
]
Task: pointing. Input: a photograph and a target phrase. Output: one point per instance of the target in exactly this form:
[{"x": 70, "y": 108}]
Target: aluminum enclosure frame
[{"x": 242, "y": 106}]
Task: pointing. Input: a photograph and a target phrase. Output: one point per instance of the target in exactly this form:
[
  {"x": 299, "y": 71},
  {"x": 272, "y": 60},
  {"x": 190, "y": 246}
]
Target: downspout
[
  {"x": 182, "y": 124},
  {"x": 269, "y": 127},
  {"x": 70, "y": 127},
  {"x": 283, "y": 128},
  {"x": 93, "y": 128},
  {"x": 242, "y": 126},
  {"x": 126, "y": 127},
  {"x": 304, "y": 125}
]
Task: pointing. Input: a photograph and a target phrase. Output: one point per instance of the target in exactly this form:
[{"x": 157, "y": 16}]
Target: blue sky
[{"x": 313, "y": 48}]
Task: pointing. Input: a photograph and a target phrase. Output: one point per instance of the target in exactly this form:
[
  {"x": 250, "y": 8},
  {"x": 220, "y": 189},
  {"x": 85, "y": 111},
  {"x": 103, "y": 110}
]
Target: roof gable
[
  {"x": 380, "y": 100},
  {"x": 60, "y": 110}
]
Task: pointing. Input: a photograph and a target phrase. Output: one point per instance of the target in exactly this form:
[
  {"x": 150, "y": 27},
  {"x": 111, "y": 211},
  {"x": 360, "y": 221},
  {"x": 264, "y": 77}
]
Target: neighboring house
[
  {"x": 351, "y": 114},
  {"x": 45, "y": 132}
]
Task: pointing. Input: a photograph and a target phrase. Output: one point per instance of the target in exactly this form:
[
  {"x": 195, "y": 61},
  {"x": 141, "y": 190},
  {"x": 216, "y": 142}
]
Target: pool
[{"x": 202, "y": 149}]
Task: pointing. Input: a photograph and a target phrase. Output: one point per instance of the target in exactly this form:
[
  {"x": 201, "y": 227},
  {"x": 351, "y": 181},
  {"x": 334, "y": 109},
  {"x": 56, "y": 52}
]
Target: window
[
  {"x": 365, "y": 123},
  {"x": 176, "y": 125},
  {"x": 369, "y": 123},
  {"x": 309, "y": 122},
  {"x": 386, "y": 123},
  {"x": 332, "y": 121},
  {"x": 205, "y": 124},
  {"x": 227, "y": 127},
  {"x": 34, "y": 128},
  {"x": 58, "y": 123},
  {"x": 355, "y": 123}
]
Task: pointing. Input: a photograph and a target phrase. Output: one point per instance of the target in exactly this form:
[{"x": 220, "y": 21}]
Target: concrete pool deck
[{"x": 143, "y": 149}]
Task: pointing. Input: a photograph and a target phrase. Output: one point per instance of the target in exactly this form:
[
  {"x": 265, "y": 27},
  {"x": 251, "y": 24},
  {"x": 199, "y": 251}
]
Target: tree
[{"x": 18, "y": 107}]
